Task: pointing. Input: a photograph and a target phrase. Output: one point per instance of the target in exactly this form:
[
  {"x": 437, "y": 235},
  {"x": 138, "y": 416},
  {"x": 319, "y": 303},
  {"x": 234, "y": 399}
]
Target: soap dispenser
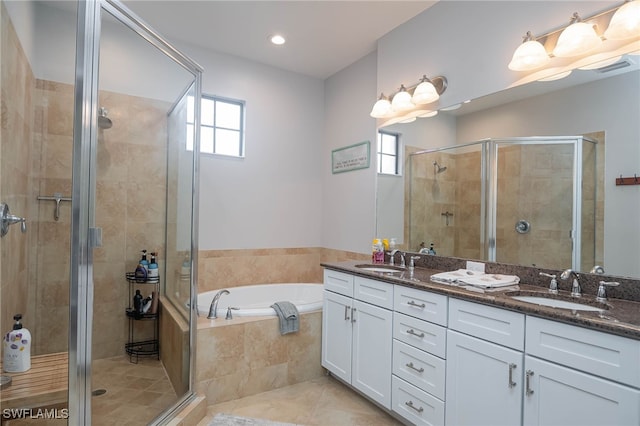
[{"x": 17, "y": 348}]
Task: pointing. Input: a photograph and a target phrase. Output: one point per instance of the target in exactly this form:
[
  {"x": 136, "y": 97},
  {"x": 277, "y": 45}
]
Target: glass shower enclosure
[
  {"x": 529, "y": 201},
  {"x": 95, "y": 160}
]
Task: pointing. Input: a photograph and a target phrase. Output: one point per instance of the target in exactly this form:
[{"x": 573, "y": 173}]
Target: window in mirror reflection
[
  {"x": 221, "y": 126},
  {"x": 388, "y": 153}
]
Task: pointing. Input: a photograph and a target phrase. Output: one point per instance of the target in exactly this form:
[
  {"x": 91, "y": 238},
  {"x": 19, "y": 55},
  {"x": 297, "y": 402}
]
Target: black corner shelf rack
[{"x": 141, "y": 348}]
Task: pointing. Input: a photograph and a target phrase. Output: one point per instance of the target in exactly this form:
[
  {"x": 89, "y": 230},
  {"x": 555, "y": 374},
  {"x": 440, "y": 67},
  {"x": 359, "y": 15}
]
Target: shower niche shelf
[{"x": 142, "y": 324}]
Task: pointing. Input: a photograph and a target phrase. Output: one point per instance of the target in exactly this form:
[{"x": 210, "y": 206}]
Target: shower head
[
  {"x": 439, "y": 168},
  {"x": 104, "y": 122}
]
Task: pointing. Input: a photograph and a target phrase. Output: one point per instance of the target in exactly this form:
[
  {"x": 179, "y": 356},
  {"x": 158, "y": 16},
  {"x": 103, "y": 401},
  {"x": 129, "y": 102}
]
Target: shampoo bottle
[
  {"x": 144, "y": 262},
  {"x": 153, "y": 275},
  {"x": 17, "y": 348}
]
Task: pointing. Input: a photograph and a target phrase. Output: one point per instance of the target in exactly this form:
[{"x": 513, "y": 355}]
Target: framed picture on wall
[{"x": 352, "y": 157}]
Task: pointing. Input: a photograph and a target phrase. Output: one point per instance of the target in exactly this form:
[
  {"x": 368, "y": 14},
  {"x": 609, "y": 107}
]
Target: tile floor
[
  {"x": 322, "y": 401},
  {"x": 135, "y": 394}
]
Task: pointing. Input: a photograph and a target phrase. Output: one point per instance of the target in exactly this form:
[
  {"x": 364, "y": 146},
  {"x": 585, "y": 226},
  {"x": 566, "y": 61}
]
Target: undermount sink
[
  {"x": 387, "y": 269},
  {"x": 554, "y": 301}
]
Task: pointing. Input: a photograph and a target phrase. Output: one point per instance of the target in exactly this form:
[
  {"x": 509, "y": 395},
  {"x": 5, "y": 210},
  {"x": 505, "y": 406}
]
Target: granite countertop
[{"x": 622, "y": 316}]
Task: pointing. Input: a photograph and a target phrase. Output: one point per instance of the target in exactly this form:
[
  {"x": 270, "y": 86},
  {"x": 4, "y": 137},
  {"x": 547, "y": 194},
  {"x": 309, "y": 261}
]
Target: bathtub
[{"x": 256, "y": 300}]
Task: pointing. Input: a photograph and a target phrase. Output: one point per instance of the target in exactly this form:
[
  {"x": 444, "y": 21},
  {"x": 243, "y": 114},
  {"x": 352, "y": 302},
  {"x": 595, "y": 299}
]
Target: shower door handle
[{"x": 95, "y": 237}]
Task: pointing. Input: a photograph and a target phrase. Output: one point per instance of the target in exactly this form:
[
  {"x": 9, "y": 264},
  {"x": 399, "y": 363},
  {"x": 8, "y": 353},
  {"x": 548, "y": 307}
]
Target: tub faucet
[
  {"x": 576, "y": 291},
  {"x": 214, "y": 304}
]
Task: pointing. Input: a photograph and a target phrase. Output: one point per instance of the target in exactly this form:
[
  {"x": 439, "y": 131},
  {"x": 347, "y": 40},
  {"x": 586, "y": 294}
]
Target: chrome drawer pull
[
  {"x": 511, "y": 368},
  {"x": 353, "y": 315},
  {"x": 346, "y": 312},
  {"x": 528, "y": 375},
  {"x": 410, "y": 405},
  {"x": 419, "y": 370},
  {"x": 412, "y": 303},
  {"x": 412, "y": 331}
]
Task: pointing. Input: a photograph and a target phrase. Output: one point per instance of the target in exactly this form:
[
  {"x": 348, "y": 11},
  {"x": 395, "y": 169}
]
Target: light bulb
[
  {"x": 625, "y": 23},
  {"x": 577, "y": 39},
  {"x": 402, "y": 100},
  {"x": 425, "y": 92},
  {"x": 528, "y": 56},
  {"x": 382, "y": 108}
]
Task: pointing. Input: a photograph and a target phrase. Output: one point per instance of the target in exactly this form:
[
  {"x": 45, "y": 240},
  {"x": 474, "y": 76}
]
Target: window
[
  {"x": 388, "y": 153},
  {"x": 221, "y": 126}
]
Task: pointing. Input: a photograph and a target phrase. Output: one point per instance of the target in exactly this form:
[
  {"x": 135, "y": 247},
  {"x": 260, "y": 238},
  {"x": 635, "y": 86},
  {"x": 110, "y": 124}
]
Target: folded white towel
[{"x": 466, "y": 277}]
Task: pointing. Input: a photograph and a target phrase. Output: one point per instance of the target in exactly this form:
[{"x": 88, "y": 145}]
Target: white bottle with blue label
[
  {"x": 154, "y": 274},
  {"x": 17, "y": 348}
]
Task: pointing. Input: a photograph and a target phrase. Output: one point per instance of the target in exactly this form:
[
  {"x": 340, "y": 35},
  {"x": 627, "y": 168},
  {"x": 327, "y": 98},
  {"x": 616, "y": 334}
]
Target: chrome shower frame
[{"x": 83, "y": 207}]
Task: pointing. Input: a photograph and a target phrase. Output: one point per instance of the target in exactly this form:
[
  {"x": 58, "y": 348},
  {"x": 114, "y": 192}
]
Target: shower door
[
  {"x": 534, "y": 194},
  {"x": 134, "y": 189}
]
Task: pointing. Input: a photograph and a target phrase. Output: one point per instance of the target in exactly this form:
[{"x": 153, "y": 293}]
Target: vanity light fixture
[
  {"x": 625, "y": 23},
  {"x": 382, "y": 107},
  {"x": 410, "y": 102},
  {"x": 594, "y": 42},
  {"x": 577, "y": 39},
  {"x": 425, "y": 92},
  {"x": 530, "y": 55},
  {"x": 402, "y": 100}
]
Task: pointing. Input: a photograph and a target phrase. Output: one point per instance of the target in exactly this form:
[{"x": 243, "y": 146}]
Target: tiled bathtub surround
[
  {"x": 247, "y": 355},
  {"x": 218, "y": 269}
]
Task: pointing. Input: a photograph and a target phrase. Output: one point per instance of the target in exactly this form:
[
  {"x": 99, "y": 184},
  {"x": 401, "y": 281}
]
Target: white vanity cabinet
[
  {"x": 419, "y": 355},
  {"x": 484, "y": 365},
  {"x": 557, "y": 392},
  {"x": 435, "y": 359},
  {"x": 357, "y": 333}
]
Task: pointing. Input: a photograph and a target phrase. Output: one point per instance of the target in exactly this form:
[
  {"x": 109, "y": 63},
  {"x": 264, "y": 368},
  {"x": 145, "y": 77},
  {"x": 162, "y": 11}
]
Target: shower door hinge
[{"x": 95, "y": 237}]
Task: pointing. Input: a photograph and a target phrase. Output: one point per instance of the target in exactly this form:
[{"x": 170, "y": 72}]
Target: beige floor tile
[{"x": 319, "y": 402}]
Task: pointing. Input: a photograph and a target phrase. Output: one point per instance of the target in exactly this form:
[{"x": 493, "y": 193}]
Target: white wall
[
  {"x": 272, "y": 198},
  {"x": 348, "y": 199}
]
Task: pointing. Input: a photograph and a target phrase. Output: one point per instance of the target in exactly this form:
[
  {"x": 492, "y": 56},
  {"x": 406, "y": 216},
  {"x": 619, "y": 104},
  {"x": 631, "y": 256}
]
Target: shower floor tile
[
  {"x": 317, "y": 402},
  {"x": 135, "y": 394}
]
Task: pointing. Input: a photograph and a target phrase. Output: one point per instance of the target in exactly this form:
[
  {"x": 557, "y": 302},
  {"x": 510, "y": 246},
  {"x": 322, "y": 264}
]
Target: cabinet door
[
  {"x": 337, "y": 335},
  {"x": 484, "y": 382},
  {"x": 372, "y": 343},
  {"x": 557, "y": 395}
]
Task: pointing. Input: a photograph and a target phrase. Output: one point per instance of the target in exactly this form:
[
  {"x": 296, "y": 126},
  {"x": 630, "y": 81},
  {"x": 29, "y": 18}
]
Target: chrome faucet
[
  {"x": 392, "y": 253},
  {"x": 214, "y": 304},
  {"x": 602, "y": 294},
  {"x": 403, "y": 263},
  {"x": 576, "y": 291},
  {"x": 553, "y": 284},
  {"x": 597, "y": 269}
]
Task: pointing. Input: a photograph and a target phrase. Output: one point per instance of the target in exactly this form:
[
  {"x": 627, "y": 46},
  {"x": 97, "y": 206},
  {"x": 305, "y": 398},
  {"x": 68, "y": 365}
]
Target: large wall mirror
[{"x": 600, "y": 106}]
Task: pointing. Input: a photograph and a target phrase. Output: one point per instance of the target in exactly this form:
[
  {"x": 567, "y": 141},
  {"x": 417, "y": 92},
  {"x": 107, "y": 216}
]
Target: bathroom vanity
[{"x": 435, "y": 354}]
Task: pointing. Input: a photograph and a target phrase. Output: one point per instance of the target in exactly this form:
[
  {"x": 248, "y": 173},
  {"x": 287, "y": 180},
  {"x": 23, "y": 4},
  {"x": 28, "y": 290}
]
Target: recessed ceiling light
[{"x": 277, "y": 39}]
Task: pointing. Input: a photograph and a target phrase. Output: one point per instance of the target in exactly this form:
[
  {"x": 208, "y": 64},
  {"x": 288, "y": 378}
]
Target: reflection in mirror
[{"x": 606, "y": 108}]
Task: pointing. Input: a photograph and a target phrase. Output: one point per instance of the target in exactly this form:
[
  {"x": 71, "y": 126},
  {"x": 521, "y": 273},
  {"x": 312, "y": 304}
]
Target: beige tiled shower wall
[
  {"x": 593, "y": 219},
  {"x": 218, "y": 269},
  {"x": 16, "y": 135}
]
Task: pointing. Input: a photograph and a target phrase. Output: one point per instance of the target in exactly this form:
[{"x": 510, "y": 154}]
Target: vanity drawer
[
  {"x": 602, "y": 354},
  {"x": 417, "y": 406},
  {"x": 423, "y": 335},
  {"x": 375, "y": 292},
  {"x": 338, "y": 282},
  {"x": 485, "y": 322},
  {"x": 421, "y": 304},
  {"x": 425, "y": 371}
]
